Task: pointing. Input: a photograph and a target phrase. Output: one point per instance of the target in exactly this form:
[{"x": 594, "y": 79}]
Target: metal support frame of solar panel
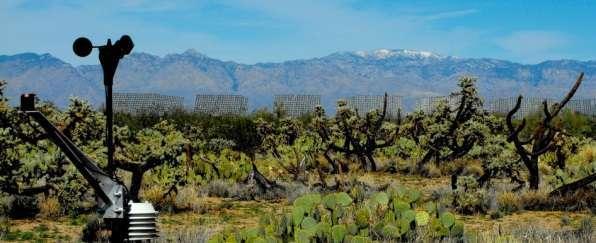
[
  {"x": 365, "y": 103},
  {"x": 296, "y": 105},
  {"x": 503, "y": 105},
  {"x": 584, "y": 106},
  {"x": 532, "y": 105},
  {"x": 428, "y": 104},
  {"x": 144, "y": 103},
  {"x": 220, "y": 104}
]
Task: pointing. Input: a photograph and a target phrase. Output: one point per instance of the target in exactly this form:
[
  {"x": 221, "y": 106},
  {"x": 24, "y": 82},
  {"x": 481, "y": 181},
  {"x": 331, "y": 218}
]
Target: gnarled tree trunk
[{"x": 542, "y": 140}]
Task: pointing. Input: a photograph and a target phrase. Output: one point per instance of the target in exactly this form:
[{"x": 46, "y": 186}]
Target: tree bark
[
  {"x": 429, "y": 154},
  {"x": 262, "y": 181},
  {"x": 574, "y": 185},
  {"x": 534, "y": 173},
  {"x": 135, "y": 185},
  {"x": 372, "y": 162}
]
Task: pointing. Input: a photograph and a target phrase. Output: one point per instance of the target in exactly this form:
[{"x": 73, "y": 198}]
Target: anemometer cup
[
  {"x": 125, "y": 45},
  {"x": 82, "y": 47}
]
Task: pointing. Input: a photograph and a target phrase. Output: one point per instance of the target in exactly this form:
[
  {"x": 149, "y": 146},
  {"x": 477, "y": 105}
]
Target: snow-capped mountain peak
[{"x": 388, "y": 53}]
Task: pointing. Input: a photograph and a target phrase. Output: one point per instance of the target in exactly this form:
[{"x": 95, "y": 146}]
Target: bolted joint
[{"x": 118, "y": 210}]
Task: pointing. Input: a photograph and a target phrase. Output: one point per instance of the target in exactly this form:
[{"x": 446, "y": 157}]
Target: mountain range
[{"x": 407, "y": 73}]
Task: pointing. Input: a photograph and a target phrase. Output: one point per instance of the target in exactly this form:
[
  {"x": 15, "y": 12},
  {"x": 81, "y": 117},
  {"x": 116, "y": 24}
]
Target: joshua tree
[
  {"x": 288, "y": 148},
  {"x": 358, "y": 136},
  {"x": 542, "y": 139},
  {"x": 574, "y": 185},
  {"x": 451, "y": 133}
]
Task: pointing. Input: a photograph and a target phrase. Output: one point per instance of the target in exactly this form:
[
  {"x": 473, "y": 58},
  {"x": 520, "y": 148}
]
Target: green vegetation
[
  {"x": 336, "y": 217},
  {"x": 342, "y": 178}
]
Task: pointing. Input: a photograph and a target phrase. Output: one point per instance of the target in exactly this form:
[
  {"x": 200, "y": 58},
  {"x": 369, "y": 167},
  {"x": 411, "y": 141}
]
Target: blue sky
[{"x": 276, "y": 30}]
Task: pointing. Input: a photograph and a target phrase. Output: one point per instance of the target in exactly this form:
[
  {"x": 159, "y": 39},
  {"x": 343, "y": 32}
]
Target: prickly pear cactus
[{"x": 336, "y": 218}]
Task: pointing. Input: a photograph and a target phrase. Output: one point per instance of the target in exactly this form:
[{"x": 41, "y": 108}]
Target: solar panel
[
  {"x": 296, "y": 105},
  {"x": 532, "y": 105},
  {"x": 221, "y": 104},
  {"x": 139, "y": 103},
  {"x": 365, "y": 103},
  {"x": 429, "y": 104}
]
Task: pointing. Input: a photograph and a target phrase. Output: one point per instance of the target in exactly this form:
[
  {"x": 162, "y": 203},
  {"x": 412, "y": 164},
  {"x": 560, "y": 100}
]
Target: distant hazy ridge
[{"x": 401, "y": 72}]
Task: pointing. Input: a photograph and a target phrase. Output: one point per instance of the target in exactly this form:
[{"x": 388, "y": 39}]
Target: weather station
[{"x": 127, "y": 220}]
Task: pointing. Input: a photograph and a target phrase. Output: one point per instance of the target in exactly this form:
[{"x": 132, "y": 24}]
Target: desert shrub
[
  {"x": 432, "y": 170},
  {"x": 574, "y": 124},
  {"x": 4, "y": 226},
  {"x": 565, "y": 220},
  {"x": 581, "y": 199},
  {"x": 219, "y": 188},
  {"x": 578, "y": 125},
  {"x": 252, "y": 191},
  {"x": 49, "y": 207},
  {"x": 582, "y": 161},
  {"x": 72, "y": 193},
  {"x": 94, "y": 230},
  {"x": 508, "y": 202},
  {"x": 498, "y": 160},
  {"x": 469, "y": 197},
  {"x": 159, "y": 199},
  {"x": 405, "y": 148},
  {"x": 295, "y": 190},
  {"x": 579, "y": 163},
  {"x": 588, "y": 153},
  {"x": 242, "y": 191},
  {"x": 442, "y": 194},
  {"x": 5, "y": 204},
  {"x": 534, "y": 199},
  {"x": 188, "y": 199},
  {"x": 210, "y": 166}
]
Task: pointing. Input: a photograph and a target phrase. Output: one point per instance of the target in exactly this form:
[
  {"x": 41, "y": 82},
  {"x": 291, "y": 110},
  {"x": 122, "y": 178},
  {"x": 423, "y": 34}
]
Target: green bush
[
  {"x": 239, "y": 129},
  {"x": 469, "y": 198}
]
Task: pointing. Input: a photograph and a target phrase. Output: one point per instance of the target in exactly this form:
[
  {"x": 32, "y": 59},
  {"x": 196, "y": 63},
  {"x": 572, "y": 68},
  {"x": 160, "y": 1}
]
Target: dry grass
[
  {"x": 534, "y": 199},
  {"x": 425, "y": 185},
  {"x": 219, "y": 188},
  {"x": 589, "y": 153},
  {"x": 508, "y": 202},
  {"x": 196, "y": 234},
  {"x": 548, "y": 220},
  {"x": 157, "y": 197},
  {"x": 49, "y": 207},
  {"x": 432, "y": 170},
  {"x": 188, "y": 199},
  {"x": 202, "y": 215}
]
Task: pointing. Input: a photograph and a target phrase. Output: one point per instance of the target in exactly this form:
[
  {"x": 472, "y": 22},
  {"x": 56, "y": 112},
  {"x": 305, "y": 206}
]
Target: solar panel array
[
  {"x": 583, "y": 106},
  {"x": 299, "y": 104},
  {"x": 221, "y": 104},
  {"x": 141, "y": 103},
  {"x": 365, "y": 103},
  {"x": 429, "y": 104},
  {"x": 296, "y": 105},
  {"x": 531, "y": 105},
  {"x": 502, "y": 106}
]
